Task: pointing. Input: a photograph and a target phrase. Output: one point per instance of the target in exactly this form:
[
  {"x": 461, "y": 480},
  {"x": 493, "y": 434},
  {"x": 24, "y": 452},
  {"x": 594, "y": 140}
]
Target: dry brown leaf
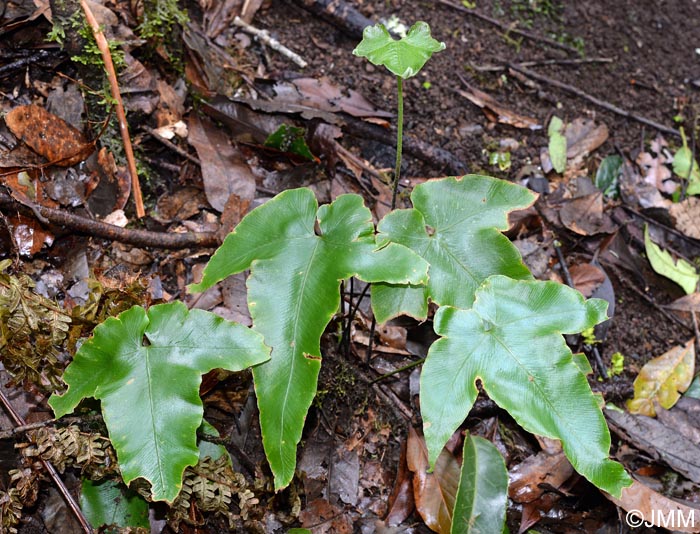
[
  {"x": 583, "y": 136},
  {"x": 529, "y": 479},
  {"x": 585, "y": 216},
  {"x": 435, "y": 492},
  {"x": 686, "y": 215},
  {"x": 180, "y": 205},
  {"x": 224, "y": 170},
  {"x": 687, "y": 303},
  {"x": 49, "y": 135},
  {"x": 497, "y": 112},
  {"x": 663, "y": 379},
  {"x": 586, "y": 277},
  {"x": 325, "y": 517},
  {"x": 648, "y": 505}
]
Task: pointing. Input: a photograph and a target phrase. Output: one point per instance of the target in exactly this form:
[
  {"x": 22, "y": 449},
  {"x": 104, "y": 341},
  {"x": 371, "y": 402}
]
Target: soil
[{"x": 652, "y": 69}]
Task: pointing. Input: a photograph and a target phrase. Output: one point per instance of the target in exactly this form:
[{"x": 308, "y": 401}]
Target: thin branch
[
  {"x": 597, "y": 101},
  {"x": 62, "y": 489},
  {"x": 121, "y": 115},
  {"x": 270, "y": 41},
  {"x": 138, "y": 238},
  {"x": 575, "y": 61},
  {"x": 509, "y": 28}
]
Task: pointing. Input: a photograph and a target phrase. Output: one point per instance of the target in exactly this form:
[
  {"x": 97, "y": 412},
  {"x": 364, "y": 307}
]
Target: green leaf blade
[
  {"x": 511, "y": 341},
  {"x": 455, "y": 226},
  {"x": 293, "y": 294},
  {"x": 480, "y": 504},
  {"x": 150, "y": 391},
  {"x": 681, "y": 272},
  {"x": 557, "y": 144},
  {"x": 110, "y": 503},
  {"x": 405, "y": 57}
]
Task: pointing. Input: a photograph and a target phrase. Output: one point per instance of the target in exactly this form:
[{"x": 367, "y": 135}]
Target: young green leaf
[
  {"x": 557, "y": 144},
  {"x": 293, "y": 294},
  {"x": 146, "y": 368},
  {"x": 511, "y": 341},
  {"x": 607, "y": 177},
  {"x": 110, "y": 503},
  {"x": 454, "y": 225},
  {"x": 480, "y": 505},
  {"x": 404, "y": 57},
  {"x": 681, "y": 272},
  {"x": 682, "y": 166}
]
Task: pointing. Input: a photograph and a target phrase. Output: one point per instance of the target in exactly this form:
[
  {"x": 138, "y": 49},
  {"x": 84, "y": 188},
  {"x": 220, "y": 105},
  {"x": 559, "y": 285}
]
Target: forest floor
[{"x": 624, "y": 77}]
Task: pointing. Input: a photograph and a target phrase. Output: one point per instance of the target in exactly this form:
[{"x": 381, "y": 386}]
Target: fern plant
[{"x": 496, "y": 325}]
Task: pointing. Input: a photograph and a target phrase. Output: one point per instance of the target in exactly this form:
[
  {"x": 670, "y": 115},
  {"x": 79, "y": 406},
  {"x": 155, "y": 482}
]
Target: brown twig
[
  {"x": 508, "y": 28},
  {"x": 121, "y": 115},
  {"x": 138, "y": 238},
  {"x": 62, "y": 489},
  {"x": 575, "y": 61},
  {"x": 172, "y": 146},
  {"x": 594, "y": 100}
]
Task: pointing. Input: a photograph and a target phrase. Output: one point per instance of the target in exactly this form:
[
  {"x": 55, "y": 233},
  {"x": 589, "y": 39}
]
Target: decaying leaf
[
  {"x": 686, "y": 215},
  {"x": 496, "y": 112},
  {"x": 434, "y": 492},
  {"x": 680, "y": 271},
  {"x": 224, "y": 170},
  {"x": 647, "y": 505},
  {"x": 663, "y": 379},
  {"x": 585, "y": 215},
  {"x": 49, "y": 135}
]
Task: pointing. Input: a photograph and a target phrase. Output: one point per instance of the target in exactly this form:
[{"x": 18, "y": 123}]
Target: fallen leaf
[
  {"x": 401, "y": 502},
  {"x": 557, "y": 144},
  {"x": 435, "y": 492},
  {"x": 180, "y": 205},
  {"x": 663, "y": 379},
  {"x": 680, "y": 271},
  {"x": 585, "y": 215},
  {"x": 687, "y": 303},
  {"x": 586, "y": 277},
  {"x": 224, "y": 170},
  {"x": 325, "y": 517},
  {"x": 686, "y": 215},
  {"x": 497, "y": 112},
  {"x": 583, "y": 136},
  {"x": 656, "y": 172},
  {"x": 530, "y": 479},
  {"x": 49, "y": 135},
  {"x": 644, "y": 504}
]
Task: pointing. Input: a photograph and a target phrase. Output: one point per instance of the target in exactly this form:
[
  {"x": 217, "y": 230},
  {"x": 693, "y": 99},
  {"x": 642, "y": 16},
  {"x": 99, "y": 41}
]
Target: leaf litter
[{"x": 324, "y": 96}]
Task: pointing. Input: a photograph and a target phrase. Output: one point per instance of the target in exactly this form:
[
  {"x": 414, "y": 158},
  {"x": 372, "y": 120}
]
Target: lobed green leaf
[
  {"x": 146, "y": 368},
  {"x": 293, "y": 292},
  {"x": 404, "y": 57},
  {"x": 511, "y": 341},
  {"x": 455, "y": 226}
]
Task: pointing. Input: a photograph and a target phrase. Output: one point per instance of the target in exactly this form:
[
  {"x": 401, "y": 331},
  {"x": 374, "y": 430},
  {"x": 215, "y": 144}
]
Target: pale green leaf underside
[
  {"x": 464, "y": 216},
  {"x": 480, "y": 505},
  {"x": 680, "y": 271},
  {"x": 293, "y": 292},
  {"x": 110, "y": 503},
  {"x": 150, "y": 390},
  {"x": 557, "y": 144},
  {"x": 404, "y": 57},
  {"x": 511, "y": 341}
]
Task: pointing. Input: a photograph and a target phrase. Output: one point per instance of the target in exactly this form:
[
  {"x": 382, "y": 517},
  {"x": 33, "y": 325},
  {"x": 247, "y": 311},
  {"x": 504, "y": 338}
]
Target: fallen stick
[
  {"x": 575, "y": 61},
  {"x": 270, "y": 41},
  {"x": 594, "y": 100},
  {"x": 338, "y": 13},
  {"x": 138, "y": 238},
  {"x": 509, "y": 29},
  {"x": 121, "y": 115}
]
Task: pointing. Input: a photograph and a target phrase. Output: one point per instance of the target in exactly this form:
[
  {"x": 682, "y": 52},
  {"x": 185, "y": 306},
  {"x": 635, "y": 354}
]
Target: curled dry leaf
[
  {"x": 496, "y": 112},
  {"x": 587, "y": 278},
  {"x": 434, "y": 492},
  {"x": 663, "y": 379},
  {"x": 49, "y": 135},
  {"x": 648, "y": 505}
]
